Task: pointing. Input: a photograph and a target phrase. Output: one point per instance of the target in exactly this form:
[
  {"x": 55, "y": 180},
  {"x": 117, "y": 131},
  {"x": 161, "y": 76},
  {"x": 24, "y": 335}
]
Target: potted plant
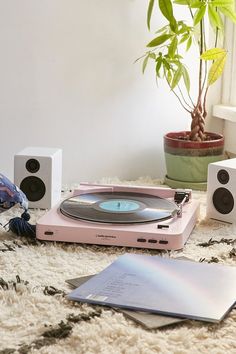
[{"x": 188, "y": 153}]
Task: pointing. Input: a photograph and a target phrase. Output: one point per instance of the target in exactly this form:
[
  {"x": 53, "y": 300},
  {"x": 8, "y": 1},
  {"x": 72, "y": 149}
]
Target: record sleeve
[
  {"x": 146, "y": 319},
  {"x": 166, "y": 286}
]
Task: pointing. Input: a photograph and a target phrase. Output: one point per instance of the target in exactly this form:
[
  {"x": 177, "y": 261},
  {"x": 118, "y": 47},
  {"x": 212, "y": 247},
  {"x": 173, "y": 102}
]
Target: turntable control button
[
  {"x": 141, "y": 240},
  {"x": 152, "y": 241},
  {"x": 163, "y": 242}
]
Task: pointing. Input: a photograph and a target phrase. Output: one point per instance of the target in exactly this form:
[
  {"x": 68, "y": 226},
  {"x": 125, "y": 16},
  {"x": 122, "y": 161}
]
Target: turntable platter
[{"x": 118, "y": 207}]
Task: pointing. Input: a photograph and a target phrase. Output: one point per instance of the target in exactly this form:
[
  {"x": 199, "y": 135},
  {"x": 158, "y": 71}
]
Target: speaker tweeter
[{"x": 223, "y": 176}]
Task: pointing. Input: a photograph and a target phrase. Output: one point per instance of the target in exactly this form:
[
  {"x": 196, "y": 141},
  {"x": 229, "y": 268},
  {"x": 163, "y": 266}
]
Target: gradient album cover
[{"x": 167, "y": 286}]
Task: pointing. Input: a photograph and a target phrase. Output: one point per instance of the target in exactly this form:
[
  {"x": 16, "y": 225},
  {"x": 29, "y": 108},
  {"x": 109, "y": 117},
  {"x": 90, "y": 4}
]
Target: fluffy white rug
[{"x": 35, "y": 316}]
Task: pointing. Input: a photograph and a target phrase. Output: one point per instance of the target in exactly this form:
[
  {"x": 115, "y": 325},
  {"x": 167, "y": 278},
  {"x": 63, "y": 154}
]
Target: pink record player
[{"x": 121, "y": 215}]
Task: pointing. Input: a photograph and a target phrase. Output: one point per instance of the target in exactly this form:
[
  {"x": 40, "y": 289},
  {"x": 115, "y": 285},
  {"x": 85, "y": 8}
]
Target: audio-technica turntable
[{"x": 121, "y": 215}]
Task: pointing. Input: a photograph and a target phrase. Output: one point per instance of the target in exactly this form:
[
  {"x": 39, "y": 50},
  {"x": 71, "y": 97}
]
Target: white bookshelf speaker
[
  {"x": 38, "y": 173},
  {"x": 221, "y": 190}
]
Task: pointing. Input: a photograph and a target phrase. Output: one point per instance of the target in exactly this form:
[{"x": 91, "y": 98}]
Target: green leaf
[
  {"x": 214, "y": 17},
  {"x": 220, "y": 3},
  {"x": 145, "y": 63},
  {"x": 149, "y": 12},
  {"x": 181, "y": 2},
  {"x": 179, "y": 56},
  {"x": 158, "y": 66},
  {"x": 184, "y": 38},
  {"x": 163, "y": 29},
  {"x": 177, "y": 76},
  {"x": 216, "y": 70},
  {"x": 182, "y": 30},
  {"x": 196, "y": 4},
  {"x": 159, "y": 40},
  {"x": 213, "y": 54},
  {"x": 152, "y": 55},
  {"x": 186, "y": 78},
  {"x": 199, "y": 14},
  {"x": 172, "y": 47},
  {"x": 166, "y": 64},
  {"x": 176, "y": 61},
  {"x": 167, "y": 11},
  {"x": 228, "y": 12},
  {"x": 169, "y": 76},
  {"x": 189, "y": 43}
]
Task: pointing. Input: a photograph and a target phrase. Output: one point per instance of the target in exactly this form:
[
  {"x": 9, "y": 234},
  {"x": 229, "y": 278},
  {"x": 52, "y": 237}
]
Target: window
[{"x": 227, "y": 109}]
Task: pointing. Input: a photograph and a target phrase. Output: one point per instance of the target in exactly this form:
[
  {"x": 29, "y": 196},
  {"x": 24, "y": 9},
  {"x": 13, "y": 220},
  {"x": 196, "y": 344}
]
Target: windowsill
[{"x": 225, "y": 112}]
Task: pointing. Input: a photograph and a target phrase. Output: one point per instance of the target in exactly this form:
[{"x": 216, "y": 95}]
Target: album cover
[
  {"x": 146, "y": 319},
  {"x": 166, "y": 286}
]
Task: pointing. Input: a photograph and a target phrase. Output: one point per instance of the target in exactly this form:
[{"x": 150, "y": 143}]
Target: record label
[{"x": 118, "y": 207}]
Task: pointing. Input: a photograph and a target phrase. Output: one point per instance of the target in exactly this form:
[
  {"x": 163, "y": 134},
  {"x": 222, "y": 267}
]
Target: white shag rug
[{"x": 35, "y": 316}]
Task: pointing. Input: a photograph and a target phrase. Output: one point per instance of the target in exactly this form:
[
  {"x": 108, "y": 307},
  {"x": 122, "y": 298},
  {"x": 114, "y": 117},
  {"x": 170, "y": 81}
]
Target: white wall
[{"x": 68, "y": 80}]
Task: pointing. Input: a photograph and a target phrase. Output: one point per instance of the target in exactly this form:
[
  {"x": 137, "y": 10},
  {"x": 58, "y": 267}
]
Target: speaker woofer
[
  {"x": 33, "y": 187},
  {"x": 223, "y": 200}
]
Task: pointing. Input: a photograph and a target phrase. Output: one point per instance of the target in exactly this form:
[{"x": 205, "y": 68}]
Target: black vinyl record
[{"x": 118, "y": 207}]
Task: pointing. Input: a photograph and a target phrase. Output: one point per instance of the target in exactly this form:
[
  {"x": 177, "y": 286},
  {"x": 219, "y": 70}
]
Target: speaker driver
[
  {"x": 32, "y": 165},
  {"x": 223, "y": 200},
  {"x": 223, "y": 176},
  {"x": 33, "y": 187}
]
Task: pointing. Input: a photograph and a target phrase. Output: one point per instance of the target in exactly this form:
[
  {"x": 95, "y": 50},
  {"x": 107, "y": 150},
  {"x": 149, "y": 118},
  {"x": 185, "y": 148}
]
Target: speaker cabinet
[
  {"x": 221, "y": 190},
  {"x": 38, "y": 173}
]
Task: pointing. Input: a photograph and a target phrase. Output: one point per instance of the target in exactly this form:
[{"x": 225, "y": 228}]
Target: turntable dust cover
[{"x": 161, "y": 285}]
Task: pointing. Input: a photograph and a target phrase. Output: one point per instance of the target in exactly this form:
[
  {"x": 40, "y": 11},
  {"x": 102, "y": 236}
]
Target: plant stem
[
  {"x": 204, "y": 103},
  {"x": 205, "y": 63},
  {"x": 200, "y": 63},
  {"x": 216, "y": 38},
  {"x": 191, "y": 12},
  {"x": 199, "y": 113},
  {"x": 179, "y": 99},
  {"x": 186, "y": 109},
  {"x": 182, "y": 95}
]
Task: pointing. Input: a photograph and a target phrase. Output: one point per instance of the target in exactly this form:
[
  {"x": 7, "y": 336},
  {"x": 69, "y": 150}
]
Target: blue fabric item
[{"x": 10, "y": 195}]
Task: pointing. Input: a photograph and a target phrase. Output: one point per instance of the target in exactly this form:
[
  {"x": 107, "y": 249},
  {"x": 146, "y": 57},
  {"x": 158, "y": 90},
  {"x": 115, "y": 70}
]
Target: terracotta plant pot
[{"x": 187, "y": 161}]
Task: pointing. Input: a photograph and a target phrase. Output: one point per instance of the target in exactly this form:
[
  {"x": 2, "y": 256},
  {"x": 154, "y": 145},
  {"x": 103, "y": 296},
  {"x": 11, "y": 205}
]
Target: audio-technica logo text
[{"x": 105, "y": 236}]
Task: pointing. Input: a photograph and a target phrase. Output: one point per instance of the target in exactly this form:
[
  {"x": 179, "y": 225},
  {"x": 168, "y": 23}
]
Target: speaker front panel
[
  {"x": 33, "y": 175},
  {"x": 221, "y": 192}
]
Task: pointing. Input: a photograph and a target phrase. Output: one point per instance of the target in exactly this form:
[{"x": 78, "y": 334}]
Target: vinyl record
[{"x": 118, "y": 207}]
